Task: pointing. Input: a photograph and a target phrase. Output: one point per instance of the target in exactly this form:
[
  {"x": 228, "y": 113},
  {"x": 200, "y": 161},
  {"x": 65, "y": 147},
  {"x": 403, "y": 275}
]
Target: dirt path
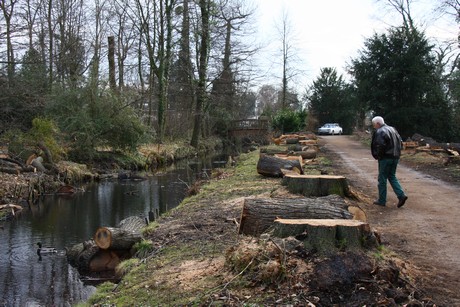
[{"x": 426, "y": 231}]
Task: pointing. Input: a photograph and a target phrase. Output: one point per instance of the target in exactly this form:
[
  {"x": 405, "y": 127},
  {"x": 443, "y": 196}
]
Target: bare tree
[
  {"x": 289, "y": 57},
  {"x": 7, "y": 8},
  {"x": 205, "y": 10},
  {"x": 157, "y": 32}
]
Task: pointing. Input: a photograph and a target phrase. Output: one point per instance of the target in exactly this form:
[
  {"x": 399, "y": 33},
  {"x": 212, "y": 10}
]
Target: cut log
[
  {"x": 124, "y": 236},
  {"x": 258, "y": 214},
  {"x": 308, "y": 154},
  {"x": 132, "y": 223},
  {"x": 308, "y": 142},
  {"x": 290, "y": 158},
  {"x": 327, "y": 235},
  {"x": 407, "y": 145},
  {"x": 271, "y": 166},
  {"x": 316, "y": 185},
  {"x": 116, "y": 238},
  {"x": 292, "y": 141},
  {"x": 274, "y": 151}
]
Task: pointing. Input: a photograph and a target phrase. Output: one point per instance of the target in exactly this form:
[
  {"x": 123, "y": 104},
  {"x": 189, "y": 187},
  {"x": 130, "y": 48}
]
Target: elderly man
[{"x": 386, "y": 148}]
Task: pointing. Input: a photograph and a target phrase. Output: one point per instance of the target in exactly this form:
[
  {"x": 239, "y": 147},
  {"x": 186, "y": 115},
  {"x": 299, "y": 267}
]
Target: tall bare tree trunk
[
  {"x": 7, "y": 9},
  {"x": 111, "y": 55},
  {"x": 51, "y": 44},
  {"x": 202, "y": 71}
]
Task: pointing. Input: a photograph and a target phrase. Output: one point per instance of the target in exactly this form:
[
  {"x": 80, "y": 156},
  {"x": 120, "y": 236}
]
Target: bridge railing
[{"x": 249, "y": 124}]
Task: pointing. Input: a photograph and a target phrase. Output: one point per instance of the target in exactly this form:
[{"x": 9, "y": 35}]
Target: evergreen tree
[
  {"x": 396, "y": 76},
  {"x": 331, "y": 100}
]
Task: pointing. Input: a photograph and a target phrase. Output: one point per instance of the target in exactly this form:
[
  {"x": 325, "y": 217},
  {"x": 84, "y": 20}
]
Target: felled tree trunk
[
  {"x": 307, "y": 154},
  {"x": 124, "y": 236},
  {"x": 316, "y": 185},
  {"x": 327, "y": 235},
  {"x": 110, "y": 246},
  {"x": 272, "y": 166},
  {"x": 259, "y": 214},
  {"x": 116, "y": 238},
  {"x": 274, "y": 151}
]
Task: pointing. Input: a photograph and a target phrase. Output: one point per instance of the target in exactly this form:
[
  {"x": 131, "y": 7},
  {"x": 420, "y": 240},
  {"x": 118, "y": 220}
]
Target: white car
[{"x": 330, "y": 129}]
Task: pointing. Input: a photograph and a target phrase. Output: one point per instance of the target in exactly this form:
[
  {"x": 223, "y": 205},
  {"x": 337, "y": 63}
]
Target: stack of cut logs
[
  {"x": 319, "y": 216},
  {"x": 108, "y": 248}
]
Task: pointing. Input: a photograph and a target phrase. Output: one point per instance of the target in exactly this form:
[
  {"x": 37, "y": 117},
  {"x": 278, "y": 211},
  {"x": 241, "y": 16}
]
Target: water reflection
[{"x": 27, "y": 280}]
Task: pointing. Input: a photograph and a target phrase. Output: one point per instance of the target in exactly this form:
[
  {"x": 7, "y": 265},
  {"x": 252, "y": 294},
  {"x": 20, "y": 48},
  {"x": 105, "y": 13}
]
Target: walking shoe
[
  {"x": 402, "y": 201},
  {"x": 378, "y": 204}
]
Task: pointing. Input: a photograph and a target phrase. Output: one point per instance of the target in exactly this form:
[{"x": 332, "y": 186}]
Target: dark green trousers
[{"x": 387, "y": 171}]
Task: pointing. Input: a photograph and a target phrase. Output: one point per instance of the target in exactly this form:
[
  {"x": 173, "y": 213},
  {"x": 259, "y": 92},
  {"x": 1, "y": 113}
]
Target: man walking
[{"x": 386, "y": 148}]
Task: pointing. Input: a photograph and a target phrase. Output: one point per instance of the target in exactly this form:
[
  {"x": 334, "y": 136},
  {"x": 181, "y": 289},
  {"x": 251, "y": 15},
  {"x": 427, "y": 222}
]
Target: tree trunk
[
  {"x": 271, "y": 166},
  {"x": 316, "y": 185},
  {"x": 124, "y": 236},
  {"x": 109, "y": 247},
  {"x": 274, "y": 151},
  {"x": 258, "y": 214},
  {"x": 327, "y": 235},
  {"x": 202, "y": 70},
  {"x": 307, "y": 154},
  {"x": 111, "y": 56}
]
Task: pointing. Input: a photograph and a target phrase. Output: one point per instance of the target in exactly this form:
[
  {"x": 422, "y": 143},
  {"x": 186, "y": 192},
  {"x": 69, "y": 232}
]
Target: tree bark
[
  {"x": 327, "y": 235},
  {"x": 259, "y": 214},
  {"x": 111, "y": 57},
  {"x": 110, "y": 246},
  {"x": 123, "y": 237},
  {"x": 271, "y": 166},
  {"x": 307, "y": 154},
  {"x": 316, "y": 185}
]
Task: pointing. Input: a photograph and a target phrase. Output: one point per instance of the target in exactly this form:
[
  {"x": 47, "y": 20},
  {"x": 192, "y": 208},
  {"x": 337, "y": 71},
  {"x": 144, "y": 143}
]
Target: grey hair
[{"x": 378, "y": 120}]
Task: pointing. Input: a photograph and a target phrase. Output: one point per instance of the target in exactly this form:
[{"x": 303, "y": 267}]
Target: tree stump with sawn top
[
  {"x": 316, "y": 185},
  {"x": 327, "y": 236}
]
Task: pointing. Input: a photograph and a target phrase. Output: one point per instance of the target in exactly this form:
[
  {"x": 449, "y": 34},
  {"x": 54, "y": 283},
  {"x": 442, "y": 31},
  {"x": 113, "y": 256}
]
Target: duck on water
[{"x": 45, "y": 250}]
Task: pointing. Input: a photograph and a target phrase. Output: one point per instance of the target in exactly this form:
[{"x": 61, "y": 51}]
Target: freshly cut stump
[
  {"x": 316, "y": 185},
  {"x": 327, "y": 235}
]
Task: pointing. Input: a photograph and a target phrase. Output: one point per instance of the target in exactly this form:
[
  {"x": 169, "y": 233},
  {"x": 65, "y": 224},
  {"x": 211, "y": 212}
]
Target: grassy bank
[{"x": 196, "y": 257}]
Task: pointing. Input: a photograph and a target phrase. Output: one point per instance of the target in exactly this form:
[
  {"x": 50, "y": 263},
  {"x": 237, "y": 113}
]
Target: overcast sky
[{"x": 331, "y": 32}]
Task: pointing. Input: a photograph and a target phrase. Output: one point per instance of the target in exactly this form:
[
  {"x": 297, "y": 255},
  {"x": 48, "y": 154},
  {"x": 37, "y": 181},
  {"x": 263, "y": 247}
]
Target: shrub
[{"x": 289, "y": 121}]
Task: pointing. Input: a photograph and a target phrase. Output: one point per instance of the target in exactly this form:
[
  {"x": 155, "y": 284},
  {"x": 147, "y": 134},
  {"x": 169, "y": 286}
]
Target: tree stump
[
  {"x": 316, "y": 185},
  {"x": 327, "y": 235},
  {"x": 259, "y": 214},
  {"x": 271, "y": 166}
]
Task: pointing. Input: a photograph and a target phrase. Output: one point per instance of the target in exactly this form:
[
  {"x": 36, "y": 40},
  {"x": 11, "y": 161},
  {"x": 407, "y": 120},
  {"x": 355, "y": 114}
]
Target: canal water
[{"x": 29, "y": 280}]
